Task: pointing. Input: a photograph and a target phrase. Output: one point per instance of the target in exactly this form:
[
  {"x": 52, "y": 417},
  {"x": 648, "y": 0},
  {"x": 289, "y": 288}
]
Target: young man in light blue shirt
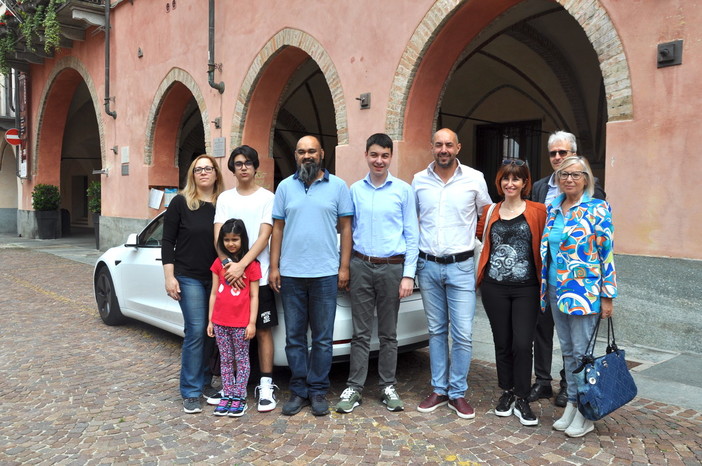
[
  {"x": 307, "y": 270},
  {"x": 383, "y": 263}
]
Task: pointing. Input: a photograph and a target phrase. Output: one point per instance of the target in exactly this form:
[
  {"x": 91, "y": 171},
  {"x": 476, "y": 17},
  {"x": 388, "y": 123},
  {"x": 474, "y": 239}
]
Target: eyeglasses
[
  {"x": 575, "y": 175},
  {"x": 207, "y": 169},
  {"x": 248, "y": 164},
  {"x": 517, "y": 162},
  {"x": 561, "y": 152}
]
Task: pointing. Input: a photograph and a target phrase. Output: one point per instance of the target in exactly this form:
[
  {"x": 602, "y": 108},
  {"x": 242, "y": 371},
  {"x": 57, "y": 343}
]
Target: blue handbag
[{"x": 604, "y": 383}]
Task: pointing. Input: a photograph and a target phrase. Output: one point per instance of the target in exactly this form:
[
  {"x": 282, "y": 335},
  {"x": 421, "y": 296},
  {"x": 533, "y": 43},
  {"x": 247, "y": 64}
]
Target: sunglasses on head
[{"x": 517, "y": 162}]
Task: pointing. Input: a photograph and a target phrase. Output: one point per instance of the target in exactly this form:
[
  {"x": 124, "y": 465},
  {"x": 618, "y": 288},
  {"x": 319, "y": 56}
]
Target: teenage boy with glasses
[{"x": 254, "y": 205}]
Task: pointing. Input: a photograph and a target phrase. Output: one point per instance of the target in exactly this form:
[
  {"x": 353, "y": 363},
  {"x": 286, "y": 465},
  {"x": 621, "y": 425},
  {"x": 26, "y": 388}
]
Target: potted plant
[
  {"x": 95, "y": 207},
  {"x": 46, "y": 199}
]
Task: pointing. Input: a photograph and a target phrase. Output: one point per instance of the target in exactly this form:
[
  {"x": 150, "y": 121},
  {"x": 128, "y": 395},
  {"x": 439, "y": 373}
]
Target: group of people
[
  {"x": 546, "y": 262},
  {"x": 215, "y": 253}
]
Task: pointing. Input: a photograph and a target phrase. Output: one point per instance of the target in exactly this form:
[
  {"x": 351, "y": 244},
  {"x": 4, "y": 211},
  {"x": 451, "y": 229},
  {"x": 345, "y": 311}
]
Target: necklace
[{"x": 512, "y": 210}]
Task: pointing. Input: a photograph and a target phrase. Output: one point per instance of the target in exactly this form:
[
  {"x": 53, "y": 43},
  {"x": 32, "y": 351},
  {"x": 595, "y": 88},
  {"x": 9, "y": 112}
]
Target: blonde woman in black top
[{"x": 187, "y": 252}]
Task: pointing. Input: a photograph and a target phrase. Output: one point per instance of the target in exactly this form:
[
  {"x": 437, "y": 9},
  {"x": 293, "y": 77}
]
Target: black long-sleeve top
[{"x": 188, "y": 239}]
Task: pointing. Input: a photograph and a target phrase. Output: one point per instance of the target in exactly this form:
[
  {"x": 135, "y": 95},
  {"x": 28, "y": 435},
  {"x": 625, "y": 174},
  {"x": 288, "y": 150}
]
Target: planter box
[{"x": 48, "y": 224}]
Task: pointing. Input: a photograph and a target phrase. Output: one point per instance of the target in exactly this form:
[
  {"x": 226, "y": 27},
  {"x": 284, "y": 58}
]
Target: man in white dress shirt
[{"x": 449, "y": 197}]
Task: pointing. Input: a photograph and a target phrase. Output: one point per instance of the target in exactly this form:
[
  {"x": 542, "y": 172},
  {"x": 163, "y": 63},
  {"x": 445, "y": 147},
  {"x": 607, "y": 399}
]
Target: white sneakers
[
  {"x": 266, "y": 397},
  {"x": 568, "y": 415},
  {"x": 573, "y": 423},
  {"x": 580, "y": 426}
]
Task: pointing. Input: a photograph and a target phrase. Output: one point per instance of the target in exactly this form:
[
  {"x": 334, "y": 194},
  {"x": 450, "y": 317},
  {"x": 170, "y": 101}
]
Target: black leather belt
[
  {"x": 460, "y": 257},
  {"x": 399, "y": 259}
]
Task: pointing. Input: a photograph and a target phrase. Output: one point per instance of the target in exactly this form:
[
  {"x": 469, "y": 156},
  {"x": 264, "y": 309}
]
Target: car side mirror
[{"x": 132, "y": 240}]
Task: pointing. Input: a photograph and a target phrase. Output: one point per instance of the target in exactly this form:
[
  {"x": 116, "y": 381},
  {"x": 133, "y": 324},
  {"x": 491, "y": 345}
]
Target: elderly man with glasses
[{"x": 561, "y": 144}]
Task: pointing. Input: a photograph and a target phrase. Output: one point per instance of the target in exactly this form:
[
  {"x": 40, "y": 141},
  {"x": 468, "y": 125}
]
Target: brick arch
[
  {"x": 285, "y": 48},
  {"x": 63, "y": 79},
  {"x": 590, "y": 14},
  {"x": 175, "y": 78}
]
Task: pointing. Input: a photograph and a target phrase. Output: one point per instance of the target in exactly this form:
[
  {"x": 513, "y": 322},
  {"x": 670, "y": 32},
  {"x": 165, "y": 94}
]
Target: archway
[
  {"x": 68, "y": 141},
  {"x": 8, "y": 189},
  {"x": 177, "y": 132},
  {"x": 291, "y": 89},
  {"x": 306, "y": 107},
  {"x": 522, "y": 67},
  {"x": 80, "y": 156}
]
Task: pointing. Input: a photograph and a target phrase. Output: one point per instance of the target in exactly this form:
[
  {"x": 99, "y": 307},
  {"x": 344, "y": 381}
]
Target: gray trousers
[{"x": 374, "y": 286}]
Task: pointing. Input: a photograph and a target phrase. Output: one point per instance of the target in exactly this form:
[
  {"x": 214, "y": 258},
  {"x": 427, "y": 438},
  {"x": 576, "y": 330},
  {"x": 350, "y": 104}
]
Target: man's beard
[{"x": 308, "y": 172}]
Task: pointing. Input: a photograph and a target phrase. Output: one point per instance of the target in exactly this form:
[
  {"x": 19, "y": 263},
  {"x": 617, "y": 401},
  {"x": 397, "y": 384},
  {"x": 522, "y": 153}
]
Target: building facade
[{"x": 131, "y": 105}]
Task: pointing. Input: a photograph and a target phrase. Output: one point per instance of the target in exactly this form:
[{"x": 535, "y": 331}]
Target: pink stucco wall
[{"x": 652, "y": 168}]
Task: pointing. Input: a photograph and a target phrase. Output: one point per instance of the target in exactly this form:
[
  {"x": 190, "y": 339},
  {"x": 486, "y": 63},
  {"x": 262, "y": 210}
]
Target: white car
[{"x": 129, "y": 282}]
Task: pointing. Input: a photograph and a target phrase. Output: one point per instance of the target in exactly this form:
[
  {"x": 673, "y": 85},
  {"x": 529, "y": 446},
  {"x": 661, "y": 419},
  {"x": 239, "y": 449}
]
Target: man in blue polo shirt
[
  {"x": 307, "y": 270},
  {"x": 385, "y": 237}
]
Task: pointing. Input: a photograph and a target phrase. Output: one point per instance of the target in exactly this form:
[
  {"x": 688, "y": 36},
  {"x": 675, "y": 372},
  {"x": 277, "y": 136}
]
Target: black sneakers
[
  {"x": 505, "y": 404},
  {"x": 192, "y": 405},
  {"x": 294, "y": 405},
  {"x": 523, "y": 411},
  {"x": 320, "y": 405}
]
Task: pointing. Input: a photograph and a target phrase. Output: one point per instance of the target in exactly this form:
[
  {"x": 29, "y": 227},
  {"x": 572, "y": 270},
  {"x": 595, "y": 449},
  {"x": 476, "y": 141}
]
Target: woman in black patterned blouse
[{"x": 509, "y": 280}]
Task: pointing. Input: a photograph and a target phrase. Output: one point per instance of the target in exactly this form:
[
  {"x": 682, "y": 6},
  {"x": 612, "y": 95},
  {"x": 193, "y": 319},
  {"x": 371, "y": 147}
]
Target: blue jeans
[
  {"x": 574, "y": 334},
  {"x": 448, "y": 294},
  {"x": 194, "y": 303},
  {"x": 309, "y": 302}
]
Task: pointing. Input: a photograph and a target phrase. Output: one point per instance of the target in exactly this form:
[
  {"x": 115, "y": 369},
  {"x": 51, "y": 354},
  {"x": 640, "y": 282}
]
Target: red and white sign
[{"x": 12, "y": 137}]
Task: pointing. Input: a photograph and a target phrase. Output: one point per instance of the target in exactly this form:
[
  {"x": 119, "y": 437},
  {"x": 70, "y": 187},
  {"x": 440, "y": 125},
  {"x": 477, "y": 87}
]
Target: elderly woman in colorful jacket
[{"x": 578, "y": 277}]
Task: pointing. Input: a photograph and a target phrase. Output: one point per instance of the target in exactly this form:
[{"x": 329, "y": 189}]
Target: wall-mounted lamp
[
  {"x": 669, "y": 54},
  {"x": 115, "y": 149},
  {"x": 217, "y": 122},
  {"x": 104, "y": 171},
  {"x": 364, "y": 100}
]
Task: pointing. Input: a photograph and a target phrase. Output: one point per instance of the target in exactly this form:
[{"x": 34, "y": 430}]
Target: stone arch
[
  {"x": 285, "y": 38},
  {"x": 75, "y": 65},
  {"x": 590, "y": 14},
  {"x": 174, "y": 76}
]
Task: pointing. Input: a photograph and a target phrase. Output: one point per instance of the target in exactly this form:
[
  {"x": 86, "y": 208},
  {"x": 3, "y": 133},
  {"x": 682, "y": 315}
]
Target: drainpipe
[
  {"x": 9, "y": 92},
  {"x": 210, "y": 52},
  {"x": 107, "y": 61},
  {"x": 16, "y": 98}
]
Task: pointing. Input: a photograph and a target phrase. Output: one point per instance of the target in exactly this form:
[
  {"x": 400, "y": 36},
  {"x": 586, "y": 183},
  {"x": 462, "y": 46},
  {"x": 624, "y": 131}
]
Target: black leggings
[{"x": 513, "y": 311}]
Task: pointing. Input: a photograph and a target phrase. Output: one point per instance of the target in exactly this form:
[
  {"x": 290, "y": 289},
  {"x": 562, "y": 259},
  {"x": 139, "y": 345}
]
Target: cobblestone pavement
[{"x": 74, "y": 391}]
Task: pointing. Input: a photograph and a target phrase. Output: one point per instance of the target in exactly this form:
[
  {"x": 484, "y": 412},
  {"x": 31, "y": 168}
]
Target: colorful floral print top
[{"x": 585, "y": 260}]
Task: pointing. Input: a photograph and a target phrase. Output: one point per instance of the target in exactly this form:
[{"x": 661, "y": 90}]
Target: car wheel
[{"x": 108, "y": 307}]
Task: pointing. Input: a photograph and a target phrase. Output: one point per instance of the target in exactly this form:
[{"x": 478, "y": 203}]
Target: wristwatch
[{"x": 226, "y": 261}]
